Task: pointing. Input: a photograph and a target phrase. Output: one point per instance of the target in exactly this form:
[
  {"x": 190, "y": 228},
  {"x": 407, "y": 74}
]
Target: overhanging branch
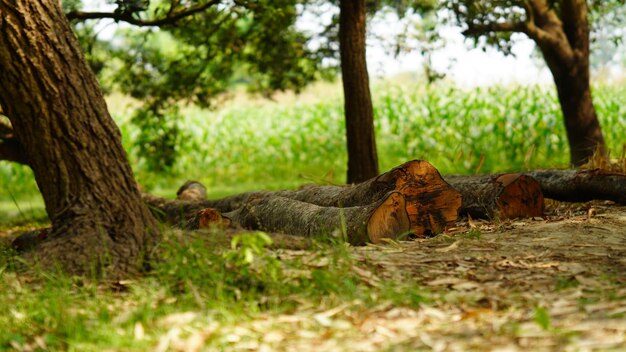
[
  {"x": 170, "y": 18},
  {"x": 484, "y": 28}
]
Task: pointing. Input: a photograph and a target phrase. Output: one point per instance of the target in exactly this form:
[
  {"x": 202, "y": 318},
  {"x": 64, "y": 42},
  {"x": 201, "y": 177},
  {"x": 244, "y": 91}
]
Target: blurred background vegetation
[{"x": 227, "y": 98}]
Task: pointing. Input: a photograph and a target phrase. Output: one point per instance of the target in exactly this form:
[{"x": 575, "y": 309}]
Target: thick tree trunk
[
  {"x": 432, "y": 204},
  {"x": 362, "y": 155},
  {"x": 581, "y": 122},
  {"x": 504, "y": 196},
  {"x": 385, "y": 219},
  {"x": 566, "y": 51},
  {"x": 581, "y": 185},
  {"x": 60, "y": 119}
]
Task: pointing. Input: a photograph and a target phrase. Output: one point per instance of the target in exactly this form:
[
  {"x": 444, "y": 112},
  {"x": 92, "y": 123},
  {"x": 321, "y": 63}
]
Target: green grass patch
[{"x": 193, "y": 283}]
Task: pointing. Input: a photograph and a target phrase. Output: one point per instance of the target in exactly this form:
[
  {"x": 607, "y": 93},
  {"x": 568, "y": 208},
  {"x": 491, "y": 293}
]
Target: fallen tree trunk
[
  {"x": 387, "y": 218},
  {"x": 431, "y": 203},
  {"x": 503, "y": 196},
  {"x": 581, "y": 185}
]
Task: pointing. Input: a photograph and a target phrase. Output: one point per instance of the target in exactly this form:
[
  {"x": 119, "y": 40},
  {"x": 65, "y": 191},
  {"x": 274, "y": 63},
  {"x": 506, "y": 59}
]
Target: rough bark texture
[
  {"x": 60, "y": 119},
  {"x": 362, "y": 155},
  {"x": 499, "y": 196},
  {"x": 432, "y": 204},
  {"x": 387, "y": 218},
  {"x": 581, "y": 185}
]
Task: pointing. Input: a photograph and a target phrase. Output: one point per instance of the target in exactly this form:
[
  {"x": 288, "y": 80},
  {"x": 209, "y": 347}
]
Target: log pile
[{"x": 411, "y": 198}]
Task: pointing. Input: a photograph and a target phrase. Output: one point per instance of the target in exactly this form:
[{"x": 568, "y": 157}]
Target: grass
[
  {"x": 194, "y": 284},
  {"x": 250, "y": 144}
]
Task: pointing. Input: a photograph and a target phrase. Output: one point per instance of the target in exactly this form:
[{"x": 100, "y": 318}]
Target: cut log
[
  {"x": 191, "y": 191},
  {"x": 387, "y": 218},
  {"x": 582, "y": 185},
  {"x": 432, "y": 204},
  {"x": 503, "y": 196},
  {"x": 210, "y": 217}
]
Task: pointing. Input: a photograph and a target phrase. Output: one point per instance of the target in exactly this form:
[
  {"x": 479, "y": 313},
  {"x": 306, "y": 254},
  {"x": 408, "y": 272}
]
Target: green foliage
[
  {"x": 159, "y": 138},
  {"x": 247, "y": 257},
  {"x": 473, "y": 234},
  {"x": 220, "y": 285},
  {"x": 197, "y": 59},
  {"x": 542, "y": 318},
  {"x": 472, "y": 13},
  {"x": 247, "y": 146}
]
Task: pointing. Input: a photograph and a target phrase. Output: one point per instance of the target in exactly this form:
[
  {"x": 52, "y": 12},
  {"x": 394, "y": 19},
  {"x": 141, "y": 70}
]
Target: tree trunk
[
  {"x": 567, "y": 55},
  {"x": 581, "y": 185},
  {"x": 506, "y": 196},
  {"x": 584, "y": 132},
  {"x": 362, "y": 155},
  {"x": 432, "y": 204},
  {"x": 387, "y": 218},
  {"x": 60, "y": 118}
]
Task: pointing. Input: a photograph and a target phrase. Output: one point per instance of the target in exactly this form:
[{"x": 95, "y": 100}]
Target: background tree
[
  {"x": 561, "y": 30},
  {"x": 60, "y": 120},
  {"x": 362, "y": 156},
  {"x": 192, "y": 53},
  {"x": 359, "y": 116},
  {"x": 254, "y": 42}
]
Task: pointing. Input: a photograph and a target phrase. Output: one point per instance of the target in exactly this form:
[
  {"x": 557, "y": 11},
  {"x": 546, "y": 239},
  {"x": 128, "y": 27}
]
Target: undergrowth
[
  {"x": 254, "y": 145},
  {"x": 192, "y": 282}
]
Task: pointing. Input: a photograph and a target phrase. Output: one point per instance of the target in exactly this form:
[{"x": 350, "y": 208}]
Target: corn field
[{"x": 279, "y": 145}]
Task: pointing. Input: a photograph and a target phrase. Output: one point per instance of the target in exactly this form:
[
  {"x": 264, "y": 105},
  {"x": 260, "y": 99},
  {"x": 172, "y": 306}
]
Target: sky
[{"x": 468, "y": 66}]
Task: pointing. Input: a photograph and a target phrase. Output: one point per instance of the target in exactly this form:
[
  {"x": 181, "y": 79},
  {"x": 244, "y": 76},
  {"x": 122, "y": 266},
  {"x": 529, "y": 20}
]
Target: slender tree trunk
[
  {"x": 566, "y": 51},
  {"x": 60, "y": 118},
  {"x": 362, "y": 157}
]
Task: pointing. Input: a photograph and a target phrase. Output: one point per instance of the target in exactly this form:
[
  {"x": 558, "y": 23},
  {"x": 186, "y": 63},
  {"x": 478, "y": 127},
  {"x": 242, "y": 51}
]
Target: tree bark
[
  {"x": 432, "y": 204},
  {"x": 362, "y": 155},
  {"x": 581, "y": 185},
  {"x": 562, "y": 185},
  {"x": 504, "y": 196},
  {"x": 60, "y": 118},
  {"x": 385, "y": 219},
  {"x": 565, "y": 49}
]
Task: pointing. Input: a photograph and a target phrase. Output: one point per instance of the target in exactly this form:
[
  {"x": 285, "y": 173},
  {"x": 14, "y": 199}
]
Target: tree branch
[
  {"x": 171, "y": 18},
  {"x": 483, "y": 28},
  {"x": 546, "y": 29}
]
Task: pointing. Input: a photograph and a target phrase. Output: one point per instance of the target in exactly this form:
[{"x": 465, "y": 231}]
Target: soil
[{"x": 556, "y": 283}]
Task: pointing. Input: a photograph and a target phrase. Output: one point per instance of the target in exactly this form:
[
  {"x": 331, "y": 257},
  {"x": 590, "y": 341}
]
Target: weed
[
  {"x": 473, "y": 234},
  {"x": 542, "y": 318}
]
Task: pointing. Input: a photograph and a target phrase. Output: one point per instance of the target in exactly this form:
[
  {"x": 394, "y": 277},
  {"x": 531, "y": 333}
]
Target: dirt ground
[{"x": 556, "y": 283}]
